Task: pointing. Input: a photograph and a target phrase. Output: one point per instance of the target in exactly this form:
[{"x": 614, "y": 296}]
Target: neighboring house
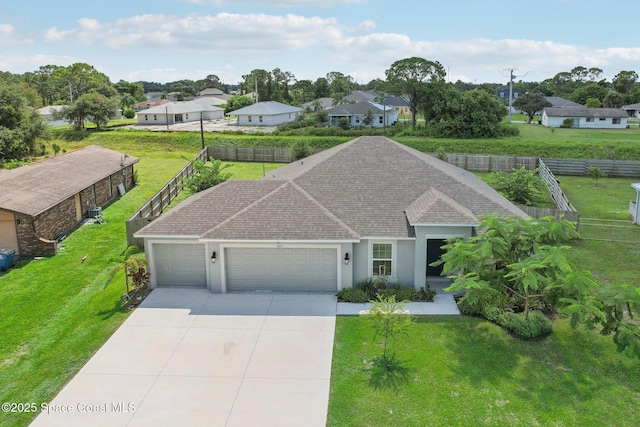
[
  {"x": 179, "y": 112},
  {"x": 47, "y": 114},
  {"x": 46, "y": 199},
  {"x": 398, "y": 103},
  {"x": 152, "y": 96},
  {"x": 212, "y": 91},
  {"x": 633, "y": 110},
  {"x": 556, "y": 101},
  {"x": 359, "y": 96},
  {"x": 367, "y": 208},
  {"x": 323, "y": 103},
  {"x": 144, "y": 105},
  {"x": 583, "y": 117},
  {"x": 210, "y": 100},
  {"x": 266, "y": 113},
  {"x": 503, "y": 94},
  {"x": 355, "y": 114}
]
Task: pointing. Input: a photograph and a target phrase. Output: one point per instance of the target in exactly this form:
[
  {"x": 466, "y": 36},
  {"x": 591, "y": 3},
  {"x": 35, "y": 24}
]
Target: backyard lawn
[
  {"x": 465, "y": 371},
  {"x": 56, "y": 312}
]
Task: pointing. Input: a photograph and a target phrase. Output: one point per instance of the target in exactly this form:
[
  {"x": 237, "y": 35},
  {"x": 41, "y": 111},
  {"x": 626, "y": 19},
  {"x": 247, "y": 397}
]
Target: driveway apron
[{"x": 187, "y": 357}]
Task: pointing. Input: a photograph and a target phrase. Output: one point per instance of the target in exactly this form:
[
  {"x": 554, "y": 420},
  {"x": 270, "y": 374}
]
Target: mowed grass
[
  {"x": 465, "y": 371},
  {"x": 56, "y": 312}
]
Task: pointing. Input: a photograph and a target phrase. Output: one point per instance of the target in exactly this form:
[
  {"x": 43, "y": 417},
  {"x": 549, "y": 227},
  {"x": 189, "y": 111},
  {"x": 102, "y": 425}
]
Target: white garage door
[
  {"x": 286, "y": 269},
  {"x": 180, "y": 264}
]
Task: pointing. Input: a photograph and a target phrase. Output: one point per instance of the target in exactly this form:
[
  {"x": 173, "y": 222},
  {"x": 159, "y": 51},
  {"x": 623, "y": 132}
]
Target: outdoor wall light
[
  {"x": 346, "y": 258},
  {"x": 213, "y": 257}
]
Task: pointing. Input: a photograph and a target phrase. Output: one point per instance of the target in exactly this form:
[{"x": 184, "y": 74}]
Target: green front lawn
[
  {"x": 465, "y": 371},
  {"x": 55, "y": 312}
]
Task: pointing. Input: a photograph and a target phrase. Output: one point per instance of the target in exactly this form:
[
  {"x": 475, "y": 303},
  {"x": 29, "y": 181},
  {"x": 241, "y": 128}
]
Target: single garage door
[
  {"x": 285, "y": 269},
  {"x": 180, "y": 264}
]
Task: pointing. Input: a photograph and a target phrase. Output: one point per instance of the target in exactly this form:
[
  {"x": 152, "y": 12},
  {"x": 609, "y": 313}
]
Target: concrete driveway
[{"x": 187, "y": 357}]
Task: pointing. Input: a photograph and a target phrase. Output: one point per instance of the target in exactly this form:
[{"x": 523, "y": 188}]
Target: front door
[
  {"x": 434, "y": 252},
  {"x": 178, "y": 118}
]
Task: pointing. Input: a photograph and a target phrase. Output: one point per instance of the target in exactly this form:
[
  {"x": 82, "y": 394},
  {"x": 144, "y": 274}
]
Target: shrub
[
  {"x": 537, "y": 325},
  {"x": 129, "y": 113},
  {"x": 400, "y": 294},
  {"x": 521, "y": 186},
  {"x": 426, "y": 295},
  {"x": 567, "y": 123},
  {"x": 299, "y": 149},
  {"x": 353, "y": 295}
]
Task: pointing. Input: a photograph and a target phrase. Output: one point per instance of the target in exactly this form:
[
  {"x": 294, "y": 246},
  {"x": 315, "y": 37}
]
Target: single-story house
[
  {"x": 179, "y": 112},
  {"x": 210, "y": 91},
  {"x": 47, "y": 114},
  {"x": 41, "y": 201},
  {"x": 587, "y": 118},
  {"x": 398, "y": 103},
  {"x": 210, "y": 100},
  {"x": 355, "y": 114},
  {"x": 145, "y": 105},
  {"x": 359, "y": 96},
  {"x": 633, "y": 110},
  {"x": 266, "y": 113},
  {"x": 320, "y": 103},
  {"x": 370, "y": 207}
]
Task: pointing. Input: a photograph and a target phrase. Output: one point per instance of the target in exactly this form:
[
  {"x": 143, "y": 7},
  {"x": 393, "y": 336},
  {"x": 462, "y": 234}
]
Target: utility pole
[{"x": 511, "y": 77}]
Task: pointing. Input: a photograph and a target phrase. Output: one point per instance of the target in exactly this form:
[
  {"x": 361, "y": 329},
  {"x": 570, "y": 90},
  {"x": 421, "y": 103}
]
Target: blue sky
[{"x": 167, "y": 40}]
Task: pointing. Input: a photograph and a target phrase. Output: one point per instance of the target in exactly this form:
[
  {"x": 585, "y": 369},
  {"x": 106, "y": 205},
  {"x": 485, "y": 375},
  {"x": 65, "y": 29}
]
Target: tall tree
[
  {"x": 302, "y": 91},
  {"x": 92, "y": 106},
  {"x": 22, "y": 129},
  {"x": 531, "y": 103},
  {"x": 340, "y": 85},
  {"x": 613, "y": 100},
  {"x": 589, "y": 90},
  {"x": 80, "y": 78},
  {"x": 321, "y": 86},
  {"x": 624, "y": 81},
  {"x": 408, "y": 78}
]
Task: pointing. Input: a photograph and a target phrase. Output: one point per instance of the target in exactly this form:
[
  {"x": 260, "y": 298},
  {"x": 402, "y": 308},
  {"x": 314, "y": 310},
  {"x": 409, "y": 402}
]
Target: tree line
[{"x": 457, "y": 110}]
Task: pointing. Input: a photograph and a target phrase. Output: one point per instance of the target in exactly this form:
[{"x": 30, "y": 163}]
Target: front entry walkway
[{"x": 187, "y": 357}]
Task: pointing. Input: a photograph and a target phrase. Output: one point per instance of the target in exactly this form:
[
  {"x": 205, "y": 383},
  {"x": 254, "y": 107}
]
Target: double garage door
[
  {"x": 249, "y": 269},
  {"x": 284, "y": 269}
]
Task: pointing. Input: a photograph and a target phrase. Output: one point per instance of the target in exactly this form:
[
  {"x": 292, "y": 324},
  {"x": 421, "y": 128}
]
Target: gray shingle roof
[
  {"x": 34, "y": 188},
  {"x": 557, "y": 101},
  {"x": 358, "y": 108},
  {"x": 180, "y": 107},
  {"x": 368, "y": 187},
  {"x": 585, "y": 112},
  {"x": 266, "y": 108}
]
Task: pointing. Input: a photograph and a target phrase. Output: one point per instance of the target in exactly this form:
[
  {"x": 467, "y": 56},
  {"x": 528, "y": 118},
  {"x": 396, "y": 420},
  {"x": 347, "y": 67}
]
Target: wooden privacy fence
[
  {"x": 157, "y": 204},
  {"x": 491, "y": 163},
  {"x": 620, "y": 168},
  {"x": 251, "y": 154}
]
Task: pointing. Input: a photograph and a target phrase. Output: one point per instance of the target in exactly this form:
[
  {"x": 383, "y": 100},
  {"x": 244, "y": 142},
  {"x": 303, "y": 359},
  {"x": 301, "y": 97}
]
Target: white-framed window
[
  {"x": 155, "y": 117},
  {"x": 187, "y": 116},
  {"x": 146, "y": 117},
  {"x": 380, "y": 119},
  {"x": 260, "y": 118},
  {"x": 589, "y": 119},
  {"x": 249, "y": 119},
  {"x": 382, "y": 259},
  {"x": 602, "y": 119},
  {"x": 616, "y": 121}
]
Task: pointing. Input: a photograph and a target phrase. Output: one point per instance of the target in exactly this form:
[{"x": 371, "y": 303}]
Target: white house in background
[
  {"x": 47, "y": 114},
  {"x": 355, "y": 113},
  {"x": 179, "y": 112},
  {"x": 266, "y": 113},
  {"x": 586, "y": 118},
  {"x": 633, "y": 110}
]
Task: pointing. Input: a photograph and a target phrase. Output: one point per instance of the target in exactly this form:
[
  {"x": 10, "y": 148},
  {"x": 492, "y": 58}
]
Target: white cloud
[
  {"x": 10, "y": 36},
  {"x": 20, "y": 62},
  {"x": 222, "y": 32}
]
